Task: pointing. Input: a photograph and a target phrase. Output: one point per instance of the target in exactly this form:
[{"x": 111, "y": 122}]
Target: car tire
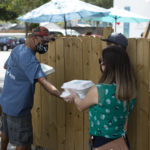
[{"x": 5, "y": 48}]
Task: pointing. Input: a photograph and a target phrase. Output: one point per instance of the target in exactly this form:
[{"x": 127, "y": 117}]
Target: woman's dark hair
[{"x": 118, "y": 70}]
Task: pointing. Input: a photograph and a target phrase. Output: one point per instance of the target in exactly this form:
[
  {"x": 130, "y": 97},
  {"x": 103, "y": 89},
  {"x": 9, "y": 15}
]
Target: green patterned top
[{"x": 107, "y": 118}]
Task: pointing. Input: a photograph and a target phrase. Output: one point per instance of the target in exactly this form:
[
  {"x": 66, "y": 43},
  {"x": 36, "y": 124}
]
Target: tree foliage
[
  {"x": 7, "y": 14},
  {"x": 17, "y": 8},
  {"x": 101, "y": 3},
  {"x": 11, "y": 9}
]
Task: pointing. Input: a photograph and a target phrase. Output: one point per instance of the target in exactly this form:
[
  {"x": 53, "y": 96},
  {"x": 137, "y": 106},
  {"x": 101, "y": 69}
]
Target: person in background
[
  {"x": 23, "y": 70},
  {"x": 117, "y": 39},
  {"x": 111, "y": 100},
  {"x": 88, "y": 33},
  {"x": 142, "y": 34}
]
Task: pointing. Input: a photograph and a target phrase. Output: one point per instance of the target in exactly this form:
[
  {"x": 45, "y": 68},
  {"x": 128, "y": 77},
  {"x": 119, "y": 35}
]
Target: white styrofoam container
[
  {"x": 81, "y": 87},
  {"x": 77, "y": 84},
  {"x": 47, "y": 69}
]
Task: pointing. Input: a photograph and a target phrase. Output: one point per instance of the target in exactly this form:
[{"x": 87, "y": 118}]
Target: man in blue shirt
[{"x": 22, "y": 71}]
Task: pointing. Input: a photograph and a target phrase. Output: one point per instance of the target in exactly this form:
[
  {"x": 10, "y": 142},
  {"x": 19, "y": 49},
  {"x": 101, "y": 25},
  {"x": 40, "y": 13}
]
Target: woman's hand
[
  {"x": 74, "y": 95},
  {"x": 71, "y": 97}
]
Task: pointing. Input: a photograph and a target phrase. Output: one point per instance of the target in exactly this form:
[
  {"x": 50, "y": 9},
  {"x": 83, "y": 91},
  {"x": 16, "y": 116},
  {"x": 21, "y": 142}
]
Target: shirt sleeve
[
  {"x": 32, "y": 69},
  {"x": 39, "y": 73}
]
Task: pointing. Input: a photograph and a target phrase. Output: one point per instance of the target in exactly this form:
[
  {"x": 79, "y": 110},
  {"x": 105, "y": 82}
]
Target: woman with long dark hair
[{"x": 112, "y": 99}]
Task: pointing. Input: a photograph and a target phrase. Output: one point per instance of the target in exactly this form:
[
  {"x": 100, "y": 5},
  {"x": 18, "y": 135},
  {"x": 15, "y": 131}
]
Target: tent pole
[
  {"x": 26, "y": 29},
  {"x": 115, "y": 22},
  {"x": 65, "y": 25}
]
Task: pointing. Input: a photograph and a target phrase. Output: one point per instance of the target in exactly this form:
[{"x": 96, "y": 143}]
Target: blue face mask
[{"x": 40, "y": 48}]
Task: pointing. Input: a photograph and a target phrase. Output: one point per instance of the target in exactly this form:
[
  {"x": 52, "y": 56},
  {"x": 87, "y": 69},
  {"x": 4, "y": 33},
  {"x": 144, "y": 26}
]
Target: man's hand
[{"x": 49, "y": 87}]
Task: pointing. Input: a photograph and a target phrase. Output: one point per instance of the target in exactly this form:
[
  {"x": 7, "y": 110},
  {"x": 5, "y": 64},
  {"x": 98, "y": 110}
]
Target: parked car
[
  {"x": 56, "y": 33},
  {"x": 8, "y": 42},
  {"x": 62, "y": 32},
  {"x": 22, "y": 40}
]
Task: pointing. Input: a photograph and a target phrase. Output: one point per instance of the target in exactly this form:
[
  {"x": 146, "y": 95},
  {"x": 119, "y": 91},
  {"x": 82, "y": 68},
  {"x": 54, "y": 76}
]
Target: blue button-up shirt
[{"x": 23, "y": 69}]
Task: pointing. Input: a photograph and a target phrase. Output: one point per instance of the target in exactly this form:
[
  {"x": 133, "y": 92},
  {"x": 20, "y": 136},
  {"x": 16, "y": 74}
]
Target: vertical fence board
[
  {"x": 96, "y": 54},
  {"x": 87, "y": 45},
  {"x": 149, "y": 97},
  {"x": 69, "y": 75},
  {"x": 36, "y": 113},
  {"x": 36, "y": 116},
  {"x": 142, "y": 96},
  {"x": 61, "y": 106},
  {"x": 132, "y": 125},
  {"x": 145, "y": 107},
  {"x": 78, "y": 116}
]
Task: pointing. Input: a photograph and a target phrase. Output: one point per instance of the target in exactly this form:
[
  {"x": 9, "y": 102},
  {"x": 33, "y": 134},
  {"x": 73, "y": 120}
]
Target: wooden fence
[{"x": 60, "y": 126}]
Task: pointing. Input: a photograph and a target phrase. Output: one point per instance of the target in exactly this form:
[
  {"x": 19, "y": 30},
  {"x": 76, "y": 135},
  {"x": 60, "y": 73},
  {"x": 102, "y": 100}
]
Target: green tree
[
  {"x": 11, "y": 9},
  {"x": 7, "y": 15},
  {"x": 101, "y": 3}
]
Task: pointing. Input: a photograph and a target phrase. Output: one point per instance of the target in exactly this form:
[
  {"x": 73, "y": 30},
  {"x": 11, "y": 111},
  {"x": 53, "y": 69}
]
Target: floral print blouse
[{"x": 107, "y": 118}]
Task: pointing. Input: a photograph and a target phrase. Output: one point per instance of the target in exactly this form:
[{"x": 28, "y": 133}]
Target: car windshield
[{"x": 70, "y": 32}]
